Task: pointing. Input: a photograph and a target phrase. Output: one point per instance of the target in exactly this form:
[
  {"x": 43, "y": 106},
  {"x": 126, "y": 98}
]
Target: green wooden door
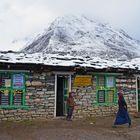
[
  {"x": 66, "y": 90},
  {"x": 138, "y": 82}
]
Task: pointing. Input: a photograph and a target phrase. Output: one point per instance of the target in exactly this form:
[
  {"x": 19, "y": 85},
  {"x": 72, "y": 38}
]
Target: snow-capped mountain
[
  {"x": 79, "y": 41},
  {"x": 82, "y": 36}
]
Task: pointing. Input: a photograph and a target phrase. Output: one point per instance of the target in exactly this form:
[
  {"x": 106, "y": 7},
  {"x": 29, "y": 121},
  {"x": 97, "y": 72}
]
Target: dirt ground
[{"x": 60, "y": 129}]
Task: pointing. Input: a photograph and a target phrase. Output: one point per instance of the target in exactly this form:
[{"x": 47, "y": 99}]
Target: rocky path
[{"x": 60, "y": 129}]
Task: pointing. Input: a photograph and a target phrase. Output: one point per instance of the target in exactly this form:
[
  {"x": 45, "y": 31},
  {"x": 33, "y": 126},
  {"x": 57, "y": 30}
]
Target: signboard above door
[{"x": 83, "y": 80}]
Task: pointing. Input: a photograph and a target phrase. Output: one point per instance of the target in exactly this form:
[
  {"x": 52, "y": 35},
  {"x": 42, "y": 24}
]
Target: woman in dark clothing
[{"x": 122, "y": 114}]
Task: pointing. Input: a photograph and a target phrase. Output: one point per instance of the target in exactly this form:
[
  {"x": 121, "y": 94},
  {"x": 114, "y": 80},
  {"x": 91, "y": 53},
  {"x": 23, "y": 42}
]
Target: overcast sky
[{"x": 22, "y": 19}]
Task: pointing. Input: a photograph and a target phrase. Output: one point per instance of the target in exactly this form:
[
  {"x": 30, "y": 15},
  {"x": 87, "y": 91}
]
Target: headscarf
[{"x": 120, "y": 96}]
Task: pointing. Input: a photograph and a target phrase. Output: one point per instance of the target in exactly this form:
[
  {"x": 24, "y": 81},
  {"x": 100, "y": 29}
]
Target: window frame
[
  {"x": 11, "y": 91},
  {"x": 106, "y": 89}
]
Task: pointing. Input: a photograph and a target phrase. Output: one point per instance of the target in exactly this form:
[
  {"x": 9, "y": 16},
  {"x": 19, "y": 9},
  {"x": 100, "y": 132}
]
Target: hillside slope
[{"x": 81, "y": 36}]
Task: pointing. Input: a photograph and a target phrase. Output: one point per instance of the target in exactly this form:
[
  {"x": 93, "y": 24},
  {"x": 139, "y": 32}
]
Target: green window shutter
[
  {"x": 105, "y": 90},
  {"x": 101, "y": 82},
  {"x": 110, "y": 96},
  {"x": 101, "y": 96},
  {"x": 12, "y": 90}
]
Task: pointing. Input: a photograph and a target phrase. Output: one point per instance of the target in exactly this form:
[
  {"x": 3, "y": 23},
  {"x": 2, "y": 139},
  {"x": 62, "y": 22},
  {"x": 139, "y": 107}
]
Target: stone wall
[
  {"x": 40, "y": 97},
  {"x": 128, "y": 85},
  {"x": 85, "y": 99}
]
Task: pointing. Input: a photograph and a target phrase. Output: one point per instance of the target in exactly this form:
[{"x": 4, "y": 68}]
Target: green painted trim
[
  {"x": 65, "y": 93},
  {"x": 5, "y": 89},
  {"x": 11, "y": 89},
  {"x": 11, "y": 94},
  {"x": 105, "y": 74},
  {"x": 106, "y": 89},
  {"x": 104, "y": 104},
  {"x": 11, "y": 98},
  {"x": 24, "y": 91},
  {"x": 14, "y": 71},
  {"x": 115, "y": 93},
  {"x": 12, "y": 106},
  {"x": 97, "y": 80}
]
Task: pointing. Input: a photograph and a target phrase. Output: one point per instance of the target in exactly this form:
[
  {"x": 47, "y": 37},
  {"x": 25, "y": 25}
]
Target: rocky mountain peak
[{"x": 82, "y": 36}]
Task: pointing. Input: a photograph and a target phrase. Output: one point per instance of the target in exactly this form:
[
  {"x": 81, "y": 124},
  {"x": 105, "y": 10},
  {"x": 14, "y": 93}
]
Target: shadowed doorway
[
  {"x": 62, "y": 94},
  {"x": 60, "y": 102}
]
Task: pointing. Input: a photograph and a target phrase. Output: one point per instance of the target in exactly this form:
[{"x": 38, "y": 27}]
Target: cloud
[
  {"x": 20, "y": 19},
  {"x": 120, "y": 13}
]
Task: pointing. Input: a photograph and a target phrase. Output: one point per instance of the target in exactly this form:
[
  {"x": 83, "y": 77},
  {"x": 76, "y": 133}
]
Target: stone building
[{"x": 31, "y": 90}]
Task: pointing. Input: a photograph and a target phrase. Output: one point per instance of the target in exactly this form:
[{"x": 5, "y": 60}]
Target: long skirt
[{"x": 122, "y": 117}]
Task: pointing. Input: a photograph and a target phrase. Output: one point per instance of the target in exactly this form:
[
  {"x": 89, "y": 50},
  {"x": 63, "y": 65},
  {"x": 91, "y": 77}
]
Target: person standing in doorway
[
  {"x": 122, "y": 116},
  {"x": 70, "y": 106}
]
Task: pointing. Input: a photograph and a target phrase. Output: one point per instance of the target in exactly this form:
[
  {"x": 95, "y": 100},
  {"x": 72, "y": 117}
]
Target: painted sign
[
  {"x": 110, "y": 82},
  {"x": 18, "y": 81},
  {"x": 83, "y": 80},
  {"x": 7, "y": 83}
]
